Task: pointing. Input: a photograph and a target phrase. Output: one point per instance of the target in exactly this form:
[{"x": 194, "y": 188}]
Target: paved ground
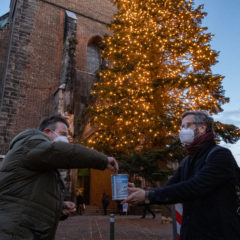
[{"x": 126, "y": 228}]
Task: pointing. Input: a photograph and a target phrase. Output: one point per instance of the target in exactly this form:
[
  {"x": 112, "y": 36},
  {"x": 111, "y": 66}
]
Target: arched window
[{"x": 93, "y": 56}]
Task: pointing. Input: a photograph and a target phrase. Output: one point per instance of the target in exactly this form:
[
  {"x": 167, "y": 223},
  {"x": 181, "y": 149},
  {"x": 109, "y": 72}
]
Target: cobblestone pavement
[{"x": 126, "y": 228}]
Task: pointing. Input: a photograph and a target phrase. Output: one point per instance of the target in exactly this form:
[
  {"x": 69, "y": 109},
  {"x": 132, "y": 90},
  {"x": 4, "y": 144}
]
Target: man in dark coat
[
  {"x": 204, "y": 182},
  {"x": 31, "y": 190}
]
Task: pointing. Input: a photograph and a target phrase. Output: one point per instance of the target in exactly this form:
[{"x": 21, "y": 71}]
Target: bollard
[
  {"x": 177, "y": 210},
  {"x": 112, "y": 220},
  {"x": 174, "y": 223}
]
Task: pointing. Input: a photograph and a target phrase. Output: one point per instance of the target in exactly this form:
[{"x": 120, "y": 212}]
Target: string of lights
[{"x": 160, "y": 66}]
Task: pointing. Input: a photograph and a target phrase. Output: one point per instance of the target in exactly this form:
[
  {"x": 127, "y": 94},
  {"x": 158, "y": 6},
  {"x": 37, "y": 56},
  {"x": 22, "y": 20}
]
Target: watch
[{"x": 146, "y": 201}]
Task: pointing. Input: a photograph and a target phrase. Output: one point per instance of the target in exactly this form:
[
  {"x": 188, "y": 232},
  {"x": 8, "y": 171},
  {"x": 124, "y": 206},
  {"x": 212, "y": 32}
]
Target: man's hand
[
  {"x": 112, "y": 164},
  {"x": 136, "y": 195},
  {"x": 68, "y": 208}
]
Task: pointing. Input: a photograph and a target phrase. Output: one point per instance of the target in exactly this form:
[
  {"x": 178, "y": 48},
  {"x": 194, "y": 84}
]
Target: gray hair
[{"x": 201, "y": 117}]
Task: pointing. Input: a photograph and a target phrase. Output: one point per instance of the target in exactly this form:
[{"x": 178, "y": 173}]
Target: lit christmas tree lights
[{"x": 160, "y": 62}]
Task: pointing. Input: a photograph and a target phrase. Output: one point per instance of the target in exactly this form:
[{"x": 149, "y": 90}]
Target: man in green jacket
[{"x": 31, "y": 190}]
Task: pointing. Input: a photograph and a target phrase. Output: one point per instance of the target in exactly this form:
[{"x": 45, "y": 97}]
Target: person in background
[
  {"x": 204, "y": 182},
  {"x": 125, "y": 208},
  {"x": 146, "y": 208},
  {"x": 80, "y": 202},
  {"x": 105, "y": 202},
  {"x": 119, "y": 207},
  {"x": 31, "y": 190}
]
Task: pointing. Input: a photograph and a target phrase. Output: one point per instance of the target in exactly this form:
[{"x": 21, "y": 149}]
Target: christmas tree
[{"x": 159, "y": 66}]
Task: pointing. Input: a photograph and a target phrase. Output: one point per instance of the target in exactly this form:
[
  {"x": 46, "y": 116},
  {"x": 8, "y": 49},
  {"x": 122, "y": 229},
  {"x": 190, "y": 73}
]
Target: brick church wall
[
  {"x": 36, "y": 56},
  {"x": 42, "y": 72},
  {"x": 33, "y": 70},
  {"x": 4, "y": 42}
]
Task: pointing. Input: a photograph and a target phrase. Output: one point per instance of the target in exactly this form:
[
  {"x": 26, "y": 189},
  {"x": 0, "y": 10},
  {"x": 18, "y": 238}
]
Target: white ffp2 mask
[
  {"x": 186, "y": 135},
  {"x": 61, "y": 139}
]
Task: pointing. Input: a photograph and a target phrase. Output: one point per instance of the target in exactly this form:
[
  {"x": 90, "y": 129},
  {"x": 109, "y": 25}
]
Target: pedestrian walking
[
  {"x": 119, "y": 207},
  {"x": 146, "y": 208},
  {"x": 105, "y": 202},
  {"x": 204, "y": 182},
  {"x": 80, "y": 202},
  {"x": 31, "y": 190}
]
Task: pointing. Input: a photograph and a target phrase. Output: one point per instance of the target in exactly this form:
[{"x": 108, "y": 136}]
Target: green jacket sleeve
[{"x": 46, "y": 155}]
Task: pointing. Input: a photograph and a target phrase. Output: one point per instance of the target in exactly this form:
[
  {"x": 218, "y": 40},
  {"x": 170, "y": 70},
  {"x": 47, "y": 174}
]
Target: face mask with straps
[
  {"x": 186, "y": 136},
  {"x": 60, "y": 138}
]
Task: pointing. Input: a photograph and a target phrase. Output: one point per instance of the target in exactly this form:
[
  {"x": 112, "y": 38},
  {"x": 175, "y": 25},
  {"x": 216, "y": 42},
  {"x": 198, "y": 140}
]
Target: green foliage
[
  {"x": 145, "y": 165},
  {"x": 228, "y": 133}
]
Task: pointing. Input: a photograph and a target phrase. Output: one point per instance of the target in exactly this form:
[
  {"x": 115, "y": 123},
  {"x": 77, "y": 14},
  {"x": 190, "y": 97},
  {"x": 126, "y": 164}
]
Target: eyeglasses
[
  {"x": 61, "y": 134},
  {"x": 188, "y": 124}
]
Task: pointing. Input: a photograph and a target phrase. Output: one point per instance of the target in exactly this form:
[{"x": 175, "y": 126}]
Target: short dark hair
[
  {"x": 201, "y": 117},
  {"x": 50, "y": 122}
]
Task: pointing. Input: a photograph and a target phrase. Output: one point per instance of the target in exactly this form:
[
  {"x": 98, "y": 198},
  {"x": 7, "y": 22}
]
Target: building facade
[{"x": 49, "y": 56}]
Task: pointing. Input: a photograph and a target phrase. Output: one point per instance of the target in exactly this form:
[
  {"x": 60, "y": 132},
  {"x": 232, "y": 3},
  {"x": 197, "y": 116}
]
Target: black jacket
[{"x": 205, "y": 185}]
